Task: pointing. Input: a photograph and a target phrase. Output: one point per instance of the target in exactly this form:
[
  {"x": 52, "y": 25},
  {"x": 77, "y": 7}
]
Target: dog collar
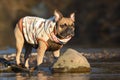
[{"x": 57, "y": 40}]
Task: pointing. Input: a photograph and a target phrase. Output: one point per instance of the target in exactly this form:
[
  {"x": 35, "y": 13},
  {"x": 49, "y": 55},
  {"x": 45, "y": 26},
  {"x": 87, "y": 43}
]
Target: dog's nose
[{"x": 70, "y": 32}]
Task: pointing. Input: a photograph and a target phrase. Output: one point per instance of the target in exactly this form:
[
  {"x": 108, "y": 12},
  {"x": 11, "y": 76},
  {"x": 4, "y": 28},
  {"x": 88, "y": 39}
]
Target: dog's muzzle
[{"x": 69, "y": 32}]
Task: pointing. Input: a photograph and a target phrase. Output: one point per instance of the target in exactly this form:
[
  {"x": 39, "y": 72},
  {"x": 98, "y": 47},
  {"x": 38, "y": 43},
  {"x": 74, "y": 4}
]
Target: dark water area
[{"x": 99, "y": 71}]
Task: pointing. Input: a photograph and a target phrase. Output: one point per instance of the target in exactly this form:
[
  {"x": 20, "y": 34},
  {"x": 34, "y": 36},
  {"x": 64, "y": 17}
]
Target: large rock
[{"x": 71, "y": 61}]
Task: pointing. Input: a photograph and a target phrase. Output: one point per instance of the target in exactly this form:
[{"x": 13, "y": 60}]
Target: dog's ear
[
  {"x": 58, "y": 15},
  {"x": 72, "y": 16}
]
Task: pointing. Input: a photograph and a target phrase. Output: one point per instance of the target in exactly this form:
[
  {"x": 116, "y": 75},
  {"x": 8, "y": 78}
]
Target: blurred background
[{"x": 97, "y": 21}]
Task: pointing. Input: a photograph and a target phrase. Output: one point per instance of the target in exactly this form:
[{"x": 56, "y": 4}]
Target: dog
[{"x": 43, "y": 34}]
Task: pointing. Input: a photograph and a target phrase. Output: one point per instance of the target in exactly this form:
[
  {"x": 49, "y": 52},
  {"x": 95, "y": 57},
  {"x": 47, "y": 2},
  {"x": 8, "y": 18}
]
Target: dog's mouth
[
  {"x": 66, "y": 33},
  {"x": 65, "y": 36},
  {"x": 69, "y": 36}
]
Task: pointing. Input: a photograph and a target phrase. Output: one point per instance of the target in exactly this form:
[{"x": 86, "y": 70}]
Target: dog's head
[{"x": 64, "y": 25}]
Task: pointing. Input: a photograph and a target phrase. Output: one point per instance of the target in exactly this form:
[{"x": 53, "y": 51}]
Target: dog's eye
[
  {"x": 72, "y": 24},
  {"x": 63, "y": 26}
]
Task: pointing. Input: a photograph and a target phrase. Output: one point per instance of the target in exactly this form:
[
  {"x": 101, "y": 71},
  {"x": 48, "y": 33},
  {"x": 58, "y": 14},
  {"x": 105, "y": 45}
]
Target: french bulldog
[{"x": 43, "y": 34}]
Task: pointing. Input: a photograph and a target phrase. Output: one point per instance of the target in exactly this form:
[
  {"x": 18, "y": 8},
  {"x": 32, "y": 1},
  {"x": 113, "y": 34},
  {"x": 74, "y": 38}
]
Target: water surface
[{"x": 100, "y": 71}]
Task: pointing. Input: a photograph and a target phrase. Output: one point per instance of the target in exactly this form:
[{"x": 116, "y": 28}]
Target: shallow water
[{"x": 99, "y": 71}]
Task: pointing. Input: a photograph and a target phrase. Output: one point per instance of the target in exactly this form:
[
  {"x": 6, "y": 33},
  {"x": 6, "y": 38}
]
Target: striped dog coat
[{"x": 35, "y": 28}]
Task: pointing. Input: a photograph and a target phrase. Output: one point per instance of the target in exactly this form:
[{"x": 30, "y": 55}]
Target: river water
[{"x": 100, "y": 71}]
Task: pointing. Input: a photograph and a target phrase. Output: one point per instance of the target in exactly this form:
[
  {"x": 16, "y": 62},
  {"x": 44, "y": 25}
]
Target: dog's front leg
[
  {"x": 40, "y": 52},
  {"x": 56, "y": 53}
]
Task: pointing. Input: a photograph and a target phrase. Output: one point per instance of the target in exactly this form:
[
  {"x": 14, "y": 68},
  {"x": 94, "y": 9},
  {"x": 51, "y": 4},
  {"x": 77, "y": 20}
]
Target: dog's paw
[{"x": 21, "y": 65}]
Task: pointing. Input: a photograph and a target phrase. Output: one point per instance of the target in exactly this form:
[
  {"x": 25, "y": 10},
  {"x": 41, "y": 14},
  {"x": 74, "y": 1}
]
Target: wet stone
[{"x": 71, "y": 61}]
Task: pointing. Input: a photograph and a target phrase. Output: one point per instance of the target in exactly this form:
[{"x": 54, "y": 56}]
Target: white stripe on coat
[{"x": 37, "y": 28}]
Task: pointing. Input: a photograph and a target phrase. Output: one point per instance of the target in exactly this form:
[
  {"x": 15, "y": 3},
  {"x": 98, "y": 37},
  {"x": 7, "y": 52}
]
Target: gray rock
[{"x": 71, "y": 61}]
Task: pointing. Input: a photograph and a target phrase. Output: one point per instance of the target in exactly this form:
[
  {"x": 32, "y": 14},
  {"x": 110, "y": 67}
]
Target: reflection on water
[
  {"x": 60, "y": 76},
  {"x": 72, "y": 76},
  {"x": 42, "y": 76},
  {"x": 67, "y": 76}
]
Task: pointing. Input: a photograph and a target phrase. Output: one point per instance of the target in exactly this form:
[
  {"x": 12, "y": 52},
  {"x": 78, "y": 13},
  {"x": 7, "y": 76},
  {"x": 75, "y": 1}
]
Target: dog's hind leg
[
  {"x": 19, "y": 43},
  {"x": 28, "y": 49}
]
